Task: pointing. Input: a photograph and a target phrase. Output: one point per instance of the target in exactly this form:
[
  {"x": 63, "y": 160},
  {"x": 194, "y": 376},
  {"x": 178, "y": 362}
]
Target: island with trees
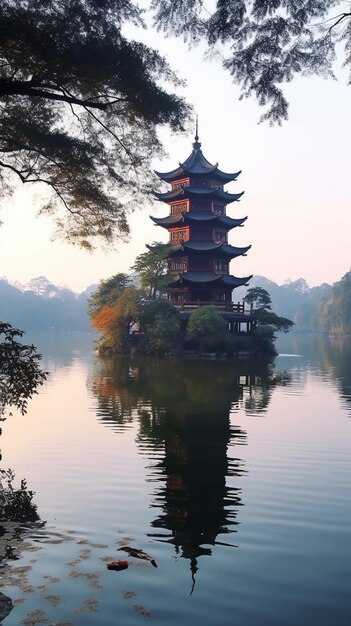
[
  {"x": 131, "y": 322},
  {"x": 185, "y": 299}
]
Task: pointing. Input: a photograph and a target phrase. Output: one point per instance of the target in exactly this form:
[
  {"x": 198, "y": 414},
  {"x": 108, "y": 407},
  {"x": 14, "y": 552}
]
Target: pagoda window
[
  {"x": 179, "y": 265},
  {"x": 177, "y": 297},
  {"x": 220, "y": 235},
  {"x": 209, "y": 183},
  {"x": 179, "y": 235},
  {"x": 179, "y": 184},
  {"x": 180, "y": 207},
  {"x": 220, "y": 296},
  {"x": 217, "y": 208},
  {"x": 221, "y": 266}
]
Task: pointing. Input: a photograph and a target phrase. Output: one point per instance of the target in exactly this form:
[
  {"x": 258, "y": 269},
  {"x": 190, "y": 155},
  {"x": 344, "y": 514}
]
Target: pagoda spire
[{"x": 197, "y": 144}]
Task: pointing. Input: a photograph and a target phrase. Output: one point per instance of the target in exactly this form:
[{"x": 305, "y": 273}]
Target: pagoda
[{"x": 198, "y": 227}]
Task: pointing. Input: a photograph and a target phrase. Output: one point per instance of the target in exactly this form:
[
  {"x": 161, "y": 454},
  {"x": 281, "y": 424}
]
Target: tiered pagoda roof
[
  {"x": 187, "y": 191},
  {"x": 213, "y": 218},
  {"x": 210, "y": 278},
  {"x": 197, "y": 164},
  {"x": 219, "y": 248},
  {"x": 198, "y": 227}
]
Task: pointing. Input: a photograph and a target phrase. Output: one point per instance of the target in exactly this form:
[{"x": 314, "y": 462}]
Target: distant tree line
[
  {"x": 335, "y": 310},
  {"x": 323, "y": 309},
  {"x": 44, "y": 309}
]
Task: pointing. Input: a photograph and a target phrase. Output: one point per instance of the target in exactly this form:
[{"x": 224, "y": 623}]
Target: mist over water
[{"x": 233, "y": 476}]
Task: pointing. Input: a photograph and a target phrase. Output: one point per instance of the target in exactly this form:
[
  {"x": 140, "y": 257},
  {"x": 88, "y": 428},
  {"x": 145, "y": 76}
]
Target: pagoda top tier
[{"x": 197, "y": 165}]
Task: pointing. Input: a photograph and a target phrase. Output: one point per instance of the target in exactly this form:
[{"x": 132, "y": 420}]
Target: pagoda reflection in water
[{"x": 183, "y": 409}]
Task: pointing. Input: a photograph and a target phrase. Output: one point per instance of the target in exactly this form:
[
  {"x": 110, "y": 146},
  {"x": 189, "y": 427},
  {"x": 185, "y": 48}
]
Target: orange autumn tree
[
  {"x": 115, "y": 323},
  {"x": 106, "y": 319}
]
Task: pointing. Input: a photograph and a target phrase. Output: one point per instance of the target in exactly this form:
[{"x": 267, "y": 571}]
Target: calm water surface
[{"x": 234, "y": 477}]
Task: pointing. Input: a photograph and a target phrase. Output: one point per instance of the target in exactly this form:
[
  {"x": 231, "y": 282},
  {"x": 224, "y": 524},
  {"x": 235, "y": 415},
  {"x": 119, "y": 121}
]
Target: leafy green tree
[
  {"x": 264, "y": 43},
  {"x": 152, "y": 268},
  {"x": 207, "y": 329},
  {"x": 259, "y": 298},
  {"x": 80, "y": 103},
  {"x": 108, "y": 292},
  {"x": 160, "y": 322},
  {"x": 267, "y": 322},
  {"x": 20, "y": 373},
  {"x": 278, "y": 322}
]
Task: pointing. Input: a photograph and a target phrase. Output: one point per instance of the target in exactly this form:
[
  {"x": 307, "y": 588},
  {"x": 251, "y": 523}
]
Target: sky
[{"x": 296, "y": 180}]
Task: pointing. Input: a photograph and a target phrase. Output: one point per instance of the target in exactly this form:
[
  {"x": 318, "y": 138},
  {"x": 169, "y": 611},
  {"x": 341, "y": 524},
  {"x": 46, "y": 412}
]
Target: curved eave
[
  {"x": 214, "y": 174},
  {"x": 209, "y": 278},
  {"x": 182, "y": 171},
  {"x": 231, "y": 222},
  {"x": 220, "y": 249},
  {"x": 227, "y": 177},
  {"x": 167, "y": 196},
  {"x": 215, "y": 218},
  {"x": 169, "y": 221},
  {"x": 234, "y": 281},
  {"x": 214, "y": 193},
  {"x": 170, "y": 176},
  {"x": 198, "y": 192},
  {"x": 233, "y": 251},
  {"x": 197, "y": 216},
  {"x": 228, "y": 197},
  {"x": 196, "y": 163}
]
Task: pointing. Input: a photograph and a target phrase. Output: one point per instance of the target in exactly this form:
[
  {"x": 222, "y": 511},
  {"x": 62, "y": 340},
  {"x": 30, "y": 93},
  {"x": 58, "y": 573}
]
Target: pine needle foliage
[{"x": 79, "y": 107}]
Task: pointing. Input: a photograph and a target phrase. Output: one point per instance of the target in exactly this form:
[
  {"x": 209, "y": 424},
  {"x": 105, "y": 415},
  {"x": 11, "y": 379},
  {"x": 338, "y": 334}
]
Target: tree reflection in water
[
  {"x": 334, "y": 357},
  {"x": 330, "y": 355},
  {"x": 183, "y": 409},
  {"x": 18, "y": 513}
]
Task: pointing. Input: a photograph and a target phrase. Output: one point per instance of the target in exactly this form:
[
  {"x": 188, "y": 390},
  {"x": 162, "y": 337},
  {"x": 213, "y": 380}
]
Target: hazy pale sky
[{"x": 296, "y": 180}]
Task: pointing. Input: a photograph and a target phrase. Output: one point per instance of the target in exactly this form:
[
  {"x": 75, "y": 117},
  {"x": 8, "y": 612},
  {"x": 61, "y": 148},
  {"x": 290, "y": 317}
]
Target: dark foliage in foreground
[
  {"x": 20, "y": 373},
  {"x": 16, "y": 504},
  {"x": 80, "y": 104}
]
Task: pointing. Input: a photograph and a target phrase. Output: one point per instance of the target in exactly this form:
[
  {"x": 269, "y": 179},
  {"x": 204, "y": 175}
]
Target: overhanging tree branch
[
  {"x": 26, "y": 88},
  {"x": 58, "y": 66},
  {"x": 341, "y": 18}
]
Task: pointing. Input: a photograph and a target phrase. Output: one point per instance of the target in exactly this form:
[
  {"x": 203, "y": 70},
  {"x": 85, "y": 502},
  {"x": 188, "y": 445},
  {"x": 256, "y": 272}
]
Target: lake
[{"x": 233, "y": 476}]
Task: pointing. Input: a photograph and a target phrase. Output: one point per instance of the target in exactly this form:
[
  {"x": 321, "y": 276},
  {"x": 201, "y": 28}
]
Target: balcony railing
[{"x": 230, "y": 307}]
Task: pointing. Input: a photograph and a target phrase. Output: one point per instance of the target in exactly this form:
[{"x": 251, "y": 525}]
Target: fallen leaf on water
[
  {"x": 142, "y": 610},
  {"x": 118, "y": 565},
  {"x": 129, "y": 594},
  {"x": 139, "y": 554}
]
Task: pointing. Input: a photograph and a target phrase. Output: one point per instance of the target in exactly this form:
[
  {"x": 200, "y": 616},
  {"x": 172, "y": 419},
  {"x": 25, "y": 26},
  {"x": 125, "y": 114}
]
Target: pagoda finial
[{"x": 197, "y": 144}]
